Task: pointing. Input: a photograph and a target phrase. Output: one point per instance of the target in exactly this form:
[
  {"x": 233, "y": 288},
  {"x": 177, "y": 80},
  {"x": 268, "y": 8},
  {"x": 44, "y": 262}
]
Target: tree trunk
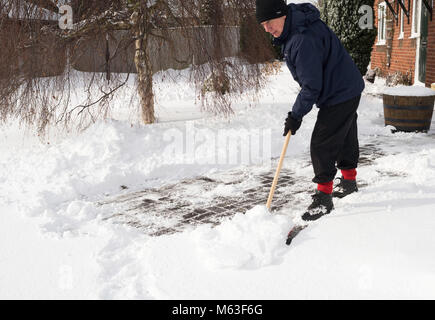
[{"x": 144, "y": 74}]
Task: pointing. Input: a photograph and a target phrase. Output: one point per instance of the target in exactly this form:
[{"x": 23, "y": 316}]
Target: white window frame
[
  {"x": 416, "y": 19},
  {"x": 402, "y": 25},
  {"x": 382, "y": 23}
]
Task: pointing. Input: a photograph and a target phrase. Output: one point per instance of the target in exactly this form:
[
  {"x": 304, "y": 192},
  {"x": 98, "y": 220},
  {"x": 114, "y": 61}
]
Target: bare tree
[{"x": 37, "y": 59}]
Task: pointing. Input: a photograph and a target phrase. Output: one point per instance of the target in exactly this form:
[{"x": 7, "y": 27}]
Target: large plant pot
[{"x": 409, "y": 109}]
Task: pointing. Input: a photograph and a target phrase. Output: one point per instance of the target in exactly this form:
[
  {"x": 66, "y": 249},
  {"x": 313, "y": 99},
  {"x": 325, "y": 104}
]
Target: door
[{"x": 423, "y": 44}]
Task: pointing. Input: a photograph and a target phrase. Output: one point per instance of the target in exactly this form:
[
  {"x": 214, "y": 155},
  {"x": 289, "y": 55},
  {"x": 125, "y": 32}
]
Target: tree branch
[
  {"x": 87, "y": 106},
  {"x": 46, "y": 4},
  {"x": 107, "y": 21}
]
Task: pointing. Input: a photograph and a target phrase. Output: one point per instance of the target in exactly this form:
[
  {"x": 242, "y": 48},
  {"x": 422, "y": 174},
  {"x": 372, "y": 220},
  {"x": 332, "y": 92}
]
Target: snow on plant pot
[{"x": 409, "y": 108}]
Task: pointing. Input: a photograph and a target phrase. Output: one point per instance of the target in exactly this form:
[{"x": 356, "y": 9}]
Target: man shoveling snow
[{"x": 328, "y": 78}]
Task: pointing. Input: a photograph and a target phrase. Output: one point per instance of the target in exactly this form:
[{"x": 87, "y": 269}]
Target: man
[{"x": 328, "y": 78}]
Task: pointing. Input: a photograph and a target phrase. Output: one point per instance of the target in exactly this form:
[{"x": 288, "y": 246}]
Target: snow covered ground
[{"x": 58, "y": 241}]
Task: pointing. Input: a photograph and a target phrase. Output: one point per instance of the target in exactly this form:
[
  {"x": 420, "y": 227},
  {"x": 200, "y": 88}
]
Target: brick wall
[
  {"x": 430, "y": 67},
  {"x": 402, "y": 51}
]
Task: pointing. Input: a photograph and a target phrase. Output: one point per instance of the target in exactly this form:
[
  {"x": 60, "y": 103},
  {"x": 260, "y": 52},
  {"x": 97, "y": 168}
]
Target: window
[
  {"x": 416, "y": 14},
  {"x": 402, "y": 24},
  {"x": 382, "y": 23}
]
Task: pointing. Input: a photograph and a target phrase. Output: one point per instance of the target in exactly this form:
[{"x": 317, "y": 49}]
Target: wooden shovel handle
[{"x": 278, "y": 170}]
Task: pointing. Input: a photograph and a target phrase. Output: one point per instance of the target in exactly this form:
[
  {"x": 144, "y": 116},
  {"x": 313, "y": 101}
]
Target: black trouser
[{"x": 335, "y": 140}]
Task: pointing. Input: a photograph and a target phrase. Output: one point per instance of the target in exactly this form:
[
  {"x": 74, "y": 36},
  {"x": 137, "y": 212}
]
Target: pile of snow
[{"x": 246, "y": 241}]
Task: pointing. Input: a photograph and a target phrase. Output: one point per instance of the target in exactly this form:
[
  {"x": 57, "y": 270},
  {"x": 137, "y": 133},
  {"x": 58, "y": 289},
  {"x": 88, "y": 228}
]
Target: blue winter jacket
[{"x": 317, "y": 61}]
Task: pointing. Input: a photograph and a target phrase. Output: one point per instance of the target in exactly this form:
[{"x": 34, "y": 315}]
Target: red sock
[
  {"x": 325, "y": 187},
  {"x": 349, "y": 174}
]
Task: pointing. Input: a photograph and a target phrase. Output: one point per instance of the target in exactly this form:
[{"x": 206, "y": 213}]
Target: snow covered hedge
[{"x": 343, "y": 20}]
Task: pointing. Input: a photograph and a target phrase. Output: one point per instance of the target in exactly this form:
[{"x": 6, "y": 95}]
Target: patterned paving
[
  {"x": 169, "y": 209},
  {"x": 208, "y": 199}
]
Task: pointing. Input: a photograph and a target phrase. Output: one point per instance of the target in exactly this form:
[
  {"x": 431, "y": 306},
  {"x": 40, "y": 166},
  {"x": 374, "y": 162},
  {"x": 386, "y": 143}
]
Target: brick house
[{"x": 405, "y": 44}]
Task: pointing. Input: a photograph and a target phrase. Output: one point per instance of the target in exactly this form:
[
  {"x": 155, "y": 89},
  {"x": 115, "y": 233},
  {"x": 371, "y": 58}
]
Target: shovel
[
  {"x": 297, "y": 228},
  {"x": 278, "y": 170}
]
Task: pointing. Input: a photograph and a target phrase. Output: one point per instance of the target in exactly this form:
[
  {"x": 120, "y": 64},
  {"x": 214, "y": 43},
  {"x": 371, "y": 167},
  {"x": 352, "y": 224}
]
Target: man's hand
[{"x": 291, "y": 124}]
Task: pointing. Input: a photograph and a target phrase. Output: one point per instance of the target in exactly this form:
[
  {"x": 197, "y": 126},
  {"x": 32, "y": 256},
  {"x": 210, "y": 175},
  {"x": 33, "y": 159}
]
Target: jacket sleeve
[{"x": 307, "y": 59}]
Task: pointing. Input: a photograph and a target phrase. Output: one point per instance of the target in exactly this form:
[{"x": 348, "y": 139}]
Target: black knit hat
[{"x": 270, "y": 9}]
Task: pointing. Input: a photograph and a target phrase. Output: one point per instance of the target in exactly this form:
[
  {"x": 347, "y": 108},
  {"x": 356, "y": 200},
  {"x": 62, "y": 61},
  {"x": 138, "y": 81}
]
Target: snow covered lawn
[{"x": 58, "y": 241}]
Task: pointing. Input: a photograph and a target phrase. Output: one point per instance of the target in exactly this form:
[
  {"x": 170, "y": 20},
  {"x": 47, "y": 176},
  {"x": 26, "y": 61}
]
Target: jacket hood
[
  {"x": 303, "y": 15},
  {"x": 299, "y": 17}
]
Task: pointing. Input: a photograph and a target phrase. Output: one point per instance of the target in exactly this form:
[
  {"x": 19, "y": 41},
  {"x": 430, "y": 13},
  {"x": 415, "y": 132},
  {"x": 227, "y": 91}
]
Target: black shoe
[
  {"x": 322, "y": 204},
  {"x": 344, "y": 188}
]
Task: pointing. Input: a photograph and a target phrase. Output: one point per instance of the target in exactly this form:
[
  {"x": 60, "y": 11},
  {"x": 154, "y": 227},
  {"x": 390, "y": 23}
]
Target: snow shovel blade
[{"x": 293, "y": 233}]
